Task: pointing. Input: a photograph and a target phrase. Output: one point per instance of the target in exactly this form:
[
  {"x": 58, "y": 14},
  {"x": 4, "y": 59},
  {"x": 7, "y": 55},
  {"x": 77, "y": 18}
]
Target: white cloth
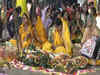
[
  {"x": 46, "y": 21},
  {"x": 44, "y": 14},
  {"x": 29, "y": 7},
  {"x": 98, "y": 21},
  {"x": 11, "y": 18}
]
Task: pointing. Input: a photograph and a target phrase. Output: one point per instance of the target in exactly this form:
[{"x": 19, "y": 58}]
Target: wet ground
[{"x": 21, "y": 72}]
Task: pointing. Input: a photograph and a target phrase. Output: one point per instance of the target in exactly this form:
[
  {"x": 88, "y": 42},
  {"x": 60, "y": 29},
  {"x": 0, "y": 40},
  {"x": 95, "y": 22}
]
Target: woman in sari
[
  {"x": 61, "y": 42},
  {"x": 61, "y": 37},
  {"x": 25, "y": 32}
]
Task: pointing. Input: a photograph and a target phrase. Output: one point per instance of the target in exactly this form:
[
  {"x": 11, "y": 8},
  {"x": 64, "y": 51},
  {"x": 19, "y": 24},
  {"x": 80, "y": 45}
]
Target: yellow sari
[
  {"x": 25, "y": 36},
  {"x": 57, "y": 38},
  {"x": 35, "y": 38},
  {"x": 66, "y": 37},
  {"x": 58, "y": 42},
  {"x": 23, "y": 5},
  {"x": 62, "y": 43},
  {"x": 40, "y": 30}
]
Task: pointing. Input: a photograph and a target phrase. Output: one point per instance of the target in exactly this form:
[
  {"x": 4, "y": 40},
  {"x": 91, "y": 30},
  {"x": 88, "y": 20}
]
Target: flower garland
[{"x": 19, "y": 65}]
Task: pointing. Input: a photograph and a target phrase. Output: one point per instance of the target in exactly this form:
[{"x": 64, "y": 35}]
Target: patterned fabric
[{"x": 88, "y": 47}]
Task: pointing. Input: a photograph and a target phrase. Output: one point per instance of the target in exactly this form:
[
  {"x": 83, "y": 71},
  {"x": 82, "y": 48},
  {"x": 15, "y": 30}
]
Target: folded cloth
[{"x": 89, "y": 47}]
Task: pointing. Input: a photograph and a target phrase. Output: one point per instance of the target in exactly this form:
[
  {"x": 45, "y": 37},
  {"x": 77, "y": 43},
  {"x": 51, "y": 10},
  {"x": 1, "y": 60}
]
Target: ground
[{"x": 20, "y": 72}]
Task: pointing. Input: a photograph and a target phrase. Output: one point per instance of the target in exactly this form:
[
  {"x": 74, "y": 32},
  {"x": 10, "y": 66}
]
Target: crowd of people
[{"x": 52, "y": 28}]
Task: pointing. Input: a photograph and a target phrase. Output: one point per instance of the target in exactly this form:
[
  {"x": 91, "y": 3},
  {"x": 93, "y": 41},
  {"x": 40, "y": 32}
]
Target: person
[
  {"x": 91, "y": 25},
  {"x": 9, "y": 4},
  {"x": 25, "y": 32},
  {"x": 31, "y": 10},
  {"x": 97, "y": 48},
  {"x": 5, "y": 35},
  {"x": 29, "y": 5},
  {"x": 60, "y": 36},
  {"x": 1, "y": 29},
  {"x": 57, "y": 33},
  {"x": 77, "y": 28},
  {"x": 55, "y": 41},
  {"x": 38, "y": 10},
  {"x": 14, "y": 21},
  {"x": 39, "y": 27},
  {"x": 44, "y": 11},
  {"x": 23, "y": 5},
  {"x": 66, "y": 35},
  {"x": 46, "y": 18},
  {"x": 98, "y": 20},
  {"x": 91, "y": 48}
]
